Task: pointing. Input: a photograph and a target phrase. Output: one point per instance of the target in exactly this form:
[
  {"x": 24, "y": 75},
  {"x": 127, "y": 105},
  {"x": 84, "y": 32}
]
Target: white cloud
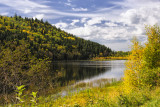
[
  {"x": 22, "y": 4},
  {"x": 68, "y": 4},
  {"x": 27, "y": 10},
  {"x": 141, "y": 16},
  {"x": 61, "y": 25},
  {"x": 80, "y": 9},
  {"x": 137, "y": 3},
  {"x": 69, "y": 0},
  {"x": 111, "y": 24},
  {"x": 119, "y": 46},
  {"x": 31, "y": 7},
  {"x": 81, "y": 31},
  {"x": 4, "y": 13},
  {"x": 94, "y": 32},
  {"x": 95, "y": 20},
  {"x": 39, "y": 16},
  {"x": 130, "y": 17},
  {"x": 74, "y": 22},
  {"x": 83, "y": 20}
]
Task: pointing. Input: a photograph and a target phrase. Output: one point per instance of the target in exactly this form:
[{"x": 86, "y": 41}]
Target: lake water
[{"x": 73, "y": 72}]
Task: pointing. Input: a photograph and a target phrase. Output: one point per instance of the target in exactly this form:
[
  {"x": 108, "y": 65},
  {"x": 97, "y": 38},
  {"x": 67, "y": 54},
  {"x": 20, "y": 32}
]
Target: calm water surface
[{"x": 89, "y": 71}]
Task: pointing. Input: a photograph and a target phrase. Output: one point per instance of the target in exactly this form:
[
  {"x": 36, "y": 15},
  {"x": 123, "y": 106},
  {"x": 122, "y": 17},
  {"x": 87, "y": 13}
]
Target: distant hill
[{"x": 45, "y": 40}]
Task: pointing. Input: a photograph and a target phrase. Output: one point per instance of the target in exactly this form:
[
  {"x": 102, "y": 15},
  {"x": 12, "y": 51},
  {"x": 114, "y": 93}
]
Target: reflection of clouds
[{"x": 115, "y": 71}]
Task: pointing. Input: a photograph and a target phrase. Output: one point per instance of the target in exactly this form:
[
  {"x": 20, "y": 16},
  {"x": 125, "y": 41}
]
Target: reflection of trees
[{"x": 77, "y": 72}]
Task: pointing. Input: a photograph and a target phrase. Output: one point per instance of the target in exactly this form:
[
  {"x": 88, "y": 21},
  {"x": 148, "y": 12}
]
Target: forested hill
[{"x": 44, "y": 40}]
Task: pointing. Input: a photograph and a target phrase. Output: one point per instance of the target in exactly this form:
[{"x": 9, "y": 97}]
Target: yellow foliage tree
[
  {"x": 143, "y": 66},
  {"x": 131, "y": 74}
]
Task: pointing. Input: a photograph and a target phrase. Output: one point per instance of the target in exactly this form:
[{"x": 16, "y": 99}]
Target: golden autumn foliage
[{"x": 143, "y": 68}]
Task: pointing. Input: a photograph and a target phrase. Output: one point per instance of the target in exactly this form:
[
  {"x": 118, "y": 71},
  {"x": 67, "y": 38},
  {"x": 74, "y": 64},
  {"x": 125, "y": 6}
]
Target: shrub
[{"x": 142, "y": 68}]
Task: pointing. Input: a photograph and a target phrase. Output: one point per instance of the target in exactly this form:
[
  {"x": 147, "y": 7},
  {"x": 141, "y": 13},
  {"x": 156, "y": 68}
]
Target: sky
[{"x": 109, "y": 22}]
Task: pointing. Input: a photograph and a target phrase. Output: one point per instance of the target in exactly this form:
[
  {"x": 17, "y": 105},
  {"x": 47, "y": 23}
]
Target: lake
[{"x": 73, "y": 72}]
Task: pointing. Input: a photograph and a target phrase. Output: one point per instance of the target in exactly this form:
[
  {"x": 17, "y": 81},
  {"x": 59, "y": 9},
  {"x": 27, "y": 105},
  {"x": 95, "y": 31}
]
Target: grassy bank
[
  {"x": 95, "y": 96},
  {"x": 110, "y": 95},
  {"x": 88, "y": 97}
]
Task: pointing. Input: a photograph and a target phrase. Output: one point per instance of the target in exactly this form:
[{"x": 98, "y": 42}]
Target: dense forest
[
  {"x": 45, "y": 40},
  {"x": 120, "y": 53}
]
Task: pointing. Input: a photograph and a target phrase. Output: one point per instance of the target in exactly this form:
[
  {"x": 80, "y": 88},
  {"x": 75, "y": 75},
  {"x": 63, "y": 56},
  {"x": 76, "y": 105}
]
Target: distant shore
[{"x": 108, "y": 58}]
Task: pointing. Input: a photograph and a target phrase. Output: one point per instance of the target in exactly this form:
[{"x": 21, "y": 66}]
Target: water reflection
[
  {"x": 88, "y": 71},
  {"x": 115, "y": 71}
]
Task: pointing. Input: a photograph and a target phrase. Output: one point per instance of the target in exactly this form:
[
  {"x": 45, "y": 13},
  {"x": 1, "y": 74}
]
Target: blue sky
[{"x": 109, "y": 22}]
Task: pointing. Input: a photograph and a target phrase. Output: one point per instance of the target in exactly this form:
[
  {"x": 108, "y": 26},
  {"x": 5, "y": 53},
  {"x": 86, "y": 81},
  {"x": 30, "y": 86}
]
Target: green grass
[
  {"x": 109, "y": 95},
  {"x": 89, "y": 97}
]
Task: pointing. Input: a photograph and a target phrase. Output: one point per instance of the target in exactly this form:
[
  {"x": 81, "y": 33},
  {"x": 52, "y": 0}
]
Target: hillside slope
[{"x": 43, "y": 40}]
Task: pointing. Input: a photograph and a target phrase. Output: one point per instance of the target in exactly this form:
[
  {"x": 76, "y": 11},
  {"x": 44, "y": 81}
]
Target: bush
[{"x": 142, "y": 68}]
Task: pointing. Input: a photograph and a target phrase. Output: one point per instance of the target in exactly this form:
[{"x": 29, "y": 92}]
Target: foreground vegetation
[{"x": 110, "y": 95}]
